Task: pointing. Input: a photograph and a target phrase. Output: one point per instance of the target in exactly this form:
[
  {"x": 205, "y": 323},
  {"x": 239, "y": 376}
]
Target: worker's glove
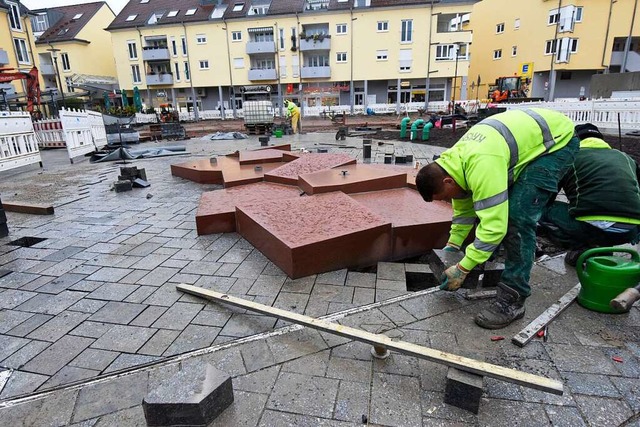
[
  {"x": 453, "y": 277},
  {"x": 450, "y": 248}
]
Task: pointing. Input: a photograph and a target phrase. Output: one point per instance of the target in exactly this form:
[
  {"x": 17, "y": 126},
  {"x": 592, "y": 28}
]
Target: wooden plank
[
  {"x": 462, "y": 363},
  {"x": 28, "y": 208},
  {"x": 523, "y": 337}
]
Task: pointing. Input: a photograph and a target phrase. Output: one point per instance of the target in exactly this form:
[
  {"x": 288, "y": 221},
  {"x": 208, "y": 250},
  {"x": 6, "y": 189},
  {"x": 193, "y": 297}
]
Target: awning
[
  {"x": 80, "y": 79},
  {"x": 261, "y": 30}
]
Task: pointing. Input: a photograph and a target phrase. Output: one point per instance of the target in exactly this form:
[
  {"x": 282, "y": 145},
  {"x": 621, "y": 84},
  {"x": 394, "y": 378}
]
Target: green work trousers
[{"x": 535, "y": 188}]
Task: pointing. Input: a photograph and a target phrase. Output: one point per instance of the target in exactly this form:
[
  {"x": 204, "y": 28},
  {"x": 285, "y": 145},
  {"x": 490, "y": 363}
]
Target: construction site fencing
[
  {"x": 49, "y": 133},
  {"x": 18, "y": 144},
  {"x": 83, "y": 131}
]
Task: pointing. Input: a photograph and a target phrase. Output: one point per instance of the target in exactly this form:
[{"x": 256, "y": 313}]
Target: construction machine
[
  {"x": 33, "y": 85},
  {"x": 510, "y": 89},
  {"x": 168, "y": 114}
]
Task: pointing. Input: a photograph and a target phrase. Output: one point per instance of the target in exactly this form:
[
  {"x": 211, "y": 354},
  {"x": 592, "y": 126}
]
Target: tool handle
[{"x": 626, "y": 299}]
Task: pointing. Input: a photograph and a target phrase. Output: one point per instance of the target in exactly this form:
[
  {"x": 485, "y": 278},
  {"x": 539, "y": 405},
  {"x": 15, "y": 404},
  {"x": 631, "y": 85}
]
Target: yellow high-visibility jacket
[
  {"x": 291, "y": 108},
  {"x": 486, "y": 161}
]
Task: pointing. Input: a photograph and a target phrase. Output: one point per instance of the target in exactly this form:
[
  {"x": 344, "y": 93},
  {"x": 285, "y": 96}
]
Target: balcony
[
  {"x": 159, "y": 79},
  {"x": 4, "y": 57},
  {"x": 267, "y": 74},
  {"x": 155, "y": 54},
  {"x": 47, "y": 69},
  {"x": 633, "y": 60},
  {"x": 316, "y": 72},
  {"x": 310, "y": 44},
  {"x": 254, "y": 48}
]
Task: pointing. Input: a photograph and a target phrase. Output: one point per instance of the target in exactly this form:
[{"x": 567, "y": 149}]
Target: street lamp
[
  {"x": 54, "y": 55},
  {"x": 455, "y": 79},
  {"x": 352, "y": 99}
]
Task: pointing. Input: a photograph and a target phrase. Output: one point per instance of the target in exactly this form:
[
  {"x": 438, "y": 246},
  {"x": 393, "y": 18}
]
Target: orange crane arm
[{"x": 33, "y": 84}]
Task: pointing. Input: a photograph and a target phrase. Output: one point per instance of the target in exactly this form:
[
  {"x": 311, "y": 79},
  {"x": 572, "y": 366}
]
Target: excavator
[
  {"x": 510, "y": 89},
  {"x": 33, "y": 85}
]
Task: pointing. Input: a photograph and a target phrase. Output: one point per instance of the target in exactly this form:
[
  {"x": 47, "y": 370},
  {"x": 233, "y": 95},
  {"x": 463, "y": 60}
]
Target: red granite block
[
  {"x": 203, "y": 171},
  {"x": 409, "y": 170},
  {"x": 307, "y": 163},
  {"x": 418, "y": 226},
  {"x": 247, "y": 174},
  {"x": 261, "y": 156},
  {"x": 314, "y": 234},
  {"x": 356, "y": 178},
  {"x": 283, "y": 147},
  {"x": 217, "y": 209}
]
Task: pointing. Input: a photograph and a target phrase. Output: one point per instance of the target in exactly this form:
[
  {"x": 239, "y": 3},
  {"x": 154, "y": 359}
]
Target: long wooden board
[
  {"x": 28, "y": 208},
  {"x": 462, "y": 363},
  {"x": 523, "y": 337}
]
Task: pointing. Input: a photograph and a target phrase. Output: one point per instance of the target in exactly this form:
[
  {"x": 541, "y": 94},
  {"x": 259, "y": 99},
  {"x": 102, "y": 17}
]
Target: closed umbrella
[
  {"x": 107, "y": 103},
  {"x": 125, "y": 101},
  {"x": 137, "y": 101}
]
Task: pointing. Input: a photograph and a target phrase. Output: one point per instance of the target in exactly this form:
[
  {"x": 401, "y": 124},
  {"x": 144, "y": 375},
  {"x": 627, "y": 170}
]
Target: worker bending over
[
  {"x": 604, "y": 199},
  {"x": 501, "y": 174},
  {"x": 294, "y": 112}
]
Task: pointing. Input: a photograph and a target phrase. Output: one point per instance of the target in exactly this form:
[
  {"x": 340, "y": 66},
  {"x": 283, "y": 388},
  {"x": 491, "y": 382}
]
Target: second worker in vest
[
  {"x": 604, "y": 199},
  {"x": 501, "y": 174},
  {"x": 294, "y": 112}
]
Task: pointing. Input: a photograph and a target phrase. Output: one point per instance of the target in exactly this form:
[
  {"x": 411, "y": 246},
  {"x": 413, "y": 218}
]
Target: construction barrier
[
  {"x": 49, "y": 133},
  {"x": 83, "y": 131},
  {"x": 18, "y": 145}
]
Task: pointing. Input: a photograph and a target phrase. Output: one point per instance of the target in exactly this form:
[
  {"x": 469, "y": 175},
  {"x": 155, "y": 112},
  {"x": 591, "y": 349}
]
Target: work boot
[{"x": 508, "y": 306}]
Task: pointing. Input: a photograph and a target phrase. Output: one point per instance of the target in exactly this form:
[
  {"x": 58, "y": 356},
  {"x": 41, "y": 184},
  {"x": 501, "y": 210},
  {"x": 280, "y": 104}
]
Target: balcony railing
[
  {"x": 311, "y": 44},
  {"x": 155, "y": 54},
  {"x": 316, "y": 72},
  {"x": 4, "y": 57},
  {"x": 159, "y": 79},
  {"x": 260, "y": 47},
  {"x": 267, "y": 74},
  {"x": 47, "y": 69}
]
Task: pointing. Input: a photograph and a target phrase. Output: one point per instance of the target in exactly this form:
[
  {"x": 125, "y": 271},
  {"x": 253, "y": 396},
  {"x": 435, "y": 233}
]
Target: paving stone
[
  {"x": 398, "y": 315},
  {"x": 166, "y": 295},
  {"x": 361, "y": 280},
  {"x": 349, "y": 370},
  {"x": 92, "y": 329},
  {"x": 303, "y": 394},
  {"x": 271, "y": 269},
  {"x": 251, "y": 269},
  {"x": 313, "y": 364},
  {"x": 110, "y": 396},
  {"x": 463, "y": 390},
  {"x": 201, "y": 267},
  {"x": 144, "y": 249},
  {"x": 352, "y": 402},
  {"x": 9, "y": 345},
  {"x": 189, "y": 279},
  {"x": 234, "y": 256},
  {"x": 109, "y": 274},
  {"x": 57, "y": 355},
  {"x": 398, "y": 364},
  {"x": 148, "y": 316},
  {"x": 303, "y": 285},
  {"x": 395, "y": 400},
  {"x": 37, "y": 283},
  {"x": 385, "y": 294},
  {"x": 21, "y": 383},
  {"x": 12, "y": 298},
  {"x": 61, "y": 283},
  {"x": 51, "y": 304},
  {"x": 193, "y": 337},
  {"x": 28, "y": 325},
  {"x": 336, "y": 277},
  {"x": 58, "y": 326},
  {"x": 91, "y": 358},
  {"x": 245, "y": 410},
  {"x": 67, "y": 375},
  {"x": 134, "y": 276},
  {"x": 562, "y": 416},
  {"x": 267, "y": 285},
  {"x": 440, "y": 413},
  {"x": 316, "y": 308},
  {"x": 66, "y": 266},
  {"x": 55, "y": 410},
  {"x": 112, "y": 292},
  {"x": 332, "y": 293},
  {"x": 497, "y": 412},
  {"x": 602, "y": 411},
  {"x": 26, "y": 353},
  {"x": 117, "y": 312},
  {"x": 502, "y": 390},
  {"x": 127, "y": 339},
  {"x": 630, "y": 366},
  {"x": 583, "y": 359},
  {"x": 63, "y": 254},
  {"x": 158, "y": 276},
  {"x": 150, "y": 262},
  {"x": 296, "y": 344},
  {"x": 390, "y": 271},
  {"x": 132, "y": 417},
  {"x": 140, "y": 294},
  {"x": 212, "y": 317},
  {"x": 86, "y": 286},
  {"x": 16, "y": 280},
  {"x": 158, "y": 344},
  {"x": 178, "y": 316},
  {"x": 275, "y": 418},
  {"x": 363, "y": 296},
  {"x": 293, "y": 302},
  {"x": 261, "y": 381},
  {"x": 87, "y": 305},
  {"x": 125, "y": 361},
  {"x": 220, "y": 284},
  {"x": 226, "y": 269},
  {"x": 630, "y": 389},
  {"x": 242, "y": 325},
  {"x": 590, "y": 384}
]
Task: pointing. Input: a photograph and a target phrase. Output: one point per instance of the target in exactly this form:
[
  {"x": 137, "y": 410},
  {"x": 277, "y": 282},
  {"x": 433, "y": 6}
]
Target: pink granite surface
[
  {"x": 203, "y": 171},
  {"x": 307, "y": 163},
  {"x": 261, "y": 156},
  {"x": 247, "y": 174},
  {"x": 358, "y": 178}
]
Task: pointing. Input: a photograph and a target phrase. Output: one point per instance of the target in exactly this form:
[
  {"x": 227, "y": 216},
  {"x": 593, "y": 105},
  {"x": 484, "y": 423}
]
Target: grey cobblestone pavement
[{"x": 90, "y": 319}]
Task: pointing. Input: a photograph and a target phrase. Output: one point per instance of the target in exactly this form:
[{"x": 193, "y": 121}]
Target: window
[
  {"x": 341, "y": 57},
  {"x": 69, "y": 84},
  {"x": 514, "y": 50},
  {"x": 190, "y": 12},
  {"x": 63, "y": 31},
  {"x": 176, "y": 66},
  {"x": 574, "y": 45},
  {"x": 405, "y": 60},
  {"x": 39, "y": 23},
  {"x": 187, "y": 75},
  {"x": 550, "y": 47},
  {"x": 238, "y": 62},
  {"x": 131, "y": 18},
  {"x": 133, "y": 50},
  {"x": 183, "y": 40},
  {"x": 77, "y": 16},
  {"x": 578, "y": 14},
  {"x": 135, "y": 71},
  {"x": 317, "y": 61},
  {"x": 66, "y": 66},
  {"x": 407, "y": 30},
  {"x": 264, "y": 64},
  {"x": 201, "y": 39},
  {"x": 445, "y": 52},
  {"x": 341, "y": 28},
  {"x": 21, "y": 51},
  {"x": 516, "y": 24},
  {"x": 204, "y": 64},
  {"x": 144, "y": 1},
  {"x": 14, "y": 17},
  {"x": 236, "y": 36},
  {"x": 382, "y": 55},
  {"x": 258, "y": 10},
  {"x": 174, "y": 47},
  {"x": 500, "y": 28},
  {"x": 238, "y": 7},
  {"x": 565, "y": 75},
  {"x": 497, "y": 54},
  {"x": 172, "y": 13},
  {"x": 554, "y": 17},
  {"x": 281, "y": 38},
  {"x": 383, "y": 26}
]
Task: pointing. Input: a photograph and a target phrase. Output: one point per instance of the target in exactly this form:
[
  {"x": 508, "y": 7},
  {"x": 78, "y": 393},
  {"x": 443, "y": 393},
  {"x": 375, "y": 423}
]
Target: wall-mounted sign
[
  {"x": 161, "y": 94},
  {"x": 254, "y": 89}
]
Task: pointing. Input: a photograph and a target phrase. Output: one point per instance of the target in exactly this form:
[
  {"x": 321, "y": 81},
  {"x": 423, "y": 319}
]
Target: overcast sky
[{"x": 116, "y": 5}]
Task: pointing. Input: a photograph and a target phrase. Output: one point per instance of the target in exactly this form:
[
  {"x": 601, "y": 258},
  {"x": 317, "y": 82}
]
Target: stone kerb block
[
  {"x": 463, "y": 390},
  {"x": 195, "y": 396}
]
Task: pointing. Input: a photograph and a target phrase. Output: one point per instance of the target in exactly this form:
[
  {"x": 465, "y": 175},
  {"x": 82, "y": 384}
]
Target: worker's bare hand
[{"x": 453, "y": 277}]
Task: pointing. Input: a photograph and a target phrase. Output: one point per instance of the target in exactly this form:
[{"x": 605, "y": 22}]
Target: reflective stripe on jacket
[{"x": 486, "y": 161}]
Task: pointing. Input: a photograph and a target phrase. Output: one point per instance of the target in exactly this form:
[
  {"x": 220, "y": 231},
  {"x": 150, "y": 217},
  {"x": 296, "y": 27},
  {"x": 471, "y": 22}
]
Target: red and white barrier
[{"x": 50, "y": 134}]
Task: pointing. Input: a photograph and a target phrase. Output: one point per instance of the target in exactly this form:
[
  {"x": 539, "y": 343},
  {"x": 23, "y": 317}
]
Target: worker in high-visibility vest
[
  {"x": 294, "y": 112},
  {"x": 500, "y": 175}
]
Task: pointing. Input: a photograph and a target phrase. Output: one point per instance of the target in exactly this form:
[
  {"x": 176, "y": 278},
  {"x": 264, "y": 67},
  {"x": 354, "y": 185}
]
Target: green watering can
[{"x": 604, "y": 277}]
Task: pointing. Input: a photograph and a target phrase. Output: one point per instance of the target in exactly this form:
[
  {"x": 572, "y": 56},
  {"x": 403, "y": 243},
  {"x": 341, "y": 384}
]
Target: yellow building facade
[
  {"x": 327, "y": 53},
  {"x": 555, "y": 46}
]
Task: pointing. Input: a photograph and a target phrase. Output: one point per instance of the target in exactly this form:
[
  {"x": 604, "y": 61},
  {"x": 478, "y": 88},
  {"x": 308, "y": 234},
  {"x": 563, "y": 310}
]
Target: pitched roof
[
  {"x": 136, "y": 14},
  {"x": 23, "y": 8},
  {"x": 67, "y": 28}
]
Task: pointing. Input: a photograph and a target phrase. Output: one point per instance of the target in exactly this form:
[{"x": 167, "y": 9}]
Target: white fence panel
[
  {"x": 98, "y": 131},
  {"x": 18, "y": 146},
  {"x": 49, "y": 133},
  {"x": 77, "y": 128},
  {"x": 146, "y": 118}
]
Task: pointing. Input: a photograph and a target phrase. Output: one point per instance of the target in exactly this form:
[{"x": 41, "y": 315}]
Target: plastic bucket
[{"x": 278, "y": 133}]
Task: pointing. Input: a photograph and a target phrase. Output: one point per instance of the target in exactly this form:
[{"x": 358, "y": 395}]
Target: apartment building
[
  {"x": 217, "y": 54},
  {"x": 74, "y": 50},
  {"x": 16, "y": 48},
  {"x": 556, "y": 44}
]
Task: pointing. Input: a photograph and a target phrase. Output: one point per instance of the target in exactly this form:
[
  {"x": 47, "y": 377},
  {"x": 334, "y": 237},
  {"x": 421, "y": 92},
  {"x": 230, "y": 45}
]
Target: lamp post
[
  {"x": 453, "y": 97},
  {"x": 352, "y": 99},
  {"x": 54, "y": 55}
]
